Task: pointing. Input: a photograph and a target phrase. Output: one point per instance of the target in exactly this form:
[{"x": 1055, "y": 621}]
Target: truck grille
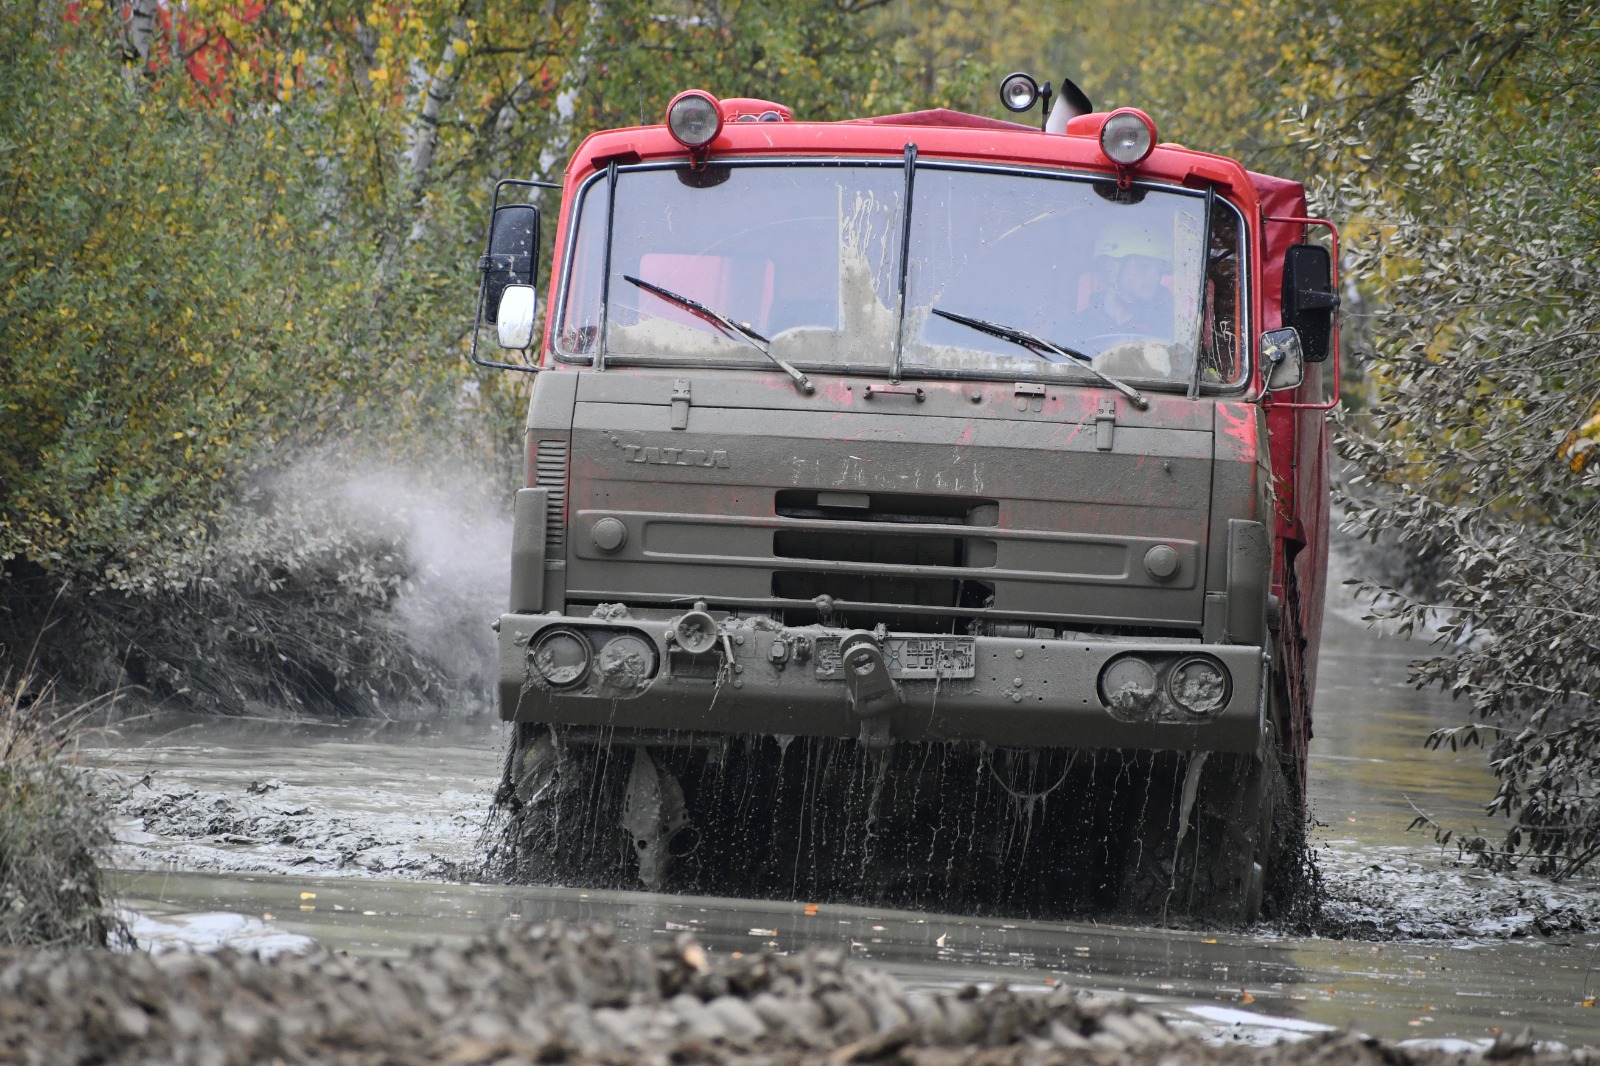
[
  {"x": 940, "y": 554},
  {"x": 914, "y": 562}
]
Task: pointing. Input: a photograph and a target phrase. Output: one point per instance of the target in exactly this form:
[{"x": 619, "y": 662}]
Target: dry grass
[{"x": 52, "y": 829}]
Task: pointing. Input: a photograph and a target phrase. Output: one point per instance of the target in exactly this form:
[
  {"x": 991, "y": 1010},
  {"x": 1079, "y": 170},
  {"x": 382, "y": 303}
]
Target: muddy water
[{"x": 353, "y": 835}]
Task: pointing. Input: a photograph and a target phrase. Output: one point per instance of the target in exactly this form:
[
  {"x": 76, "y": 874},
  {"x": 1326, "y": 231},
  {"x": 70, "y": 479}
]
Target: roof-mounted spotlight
[
  {"x": 1019, "y": 92},
  {"x": 694, "y": 118},
  {"x": 1127, "y": 137}
]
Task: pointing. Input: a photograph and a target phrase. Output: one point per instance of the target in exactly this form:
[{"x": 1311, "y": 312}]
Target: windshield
[{"x": 808, "y": 257}]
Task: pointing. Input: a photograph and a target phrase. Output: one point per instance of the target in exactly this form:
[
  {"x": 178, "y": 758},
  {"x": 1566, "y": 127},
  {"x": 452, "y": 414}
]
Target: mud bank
[
  {"x": 1404, "y": 894},
  {"x": 537, "y": 993}
]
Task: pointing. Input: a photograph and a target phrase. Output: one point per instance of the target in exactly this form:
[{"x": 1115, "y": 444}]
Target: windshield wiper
[
  {"x": 1043, "y": 348},
  {"x": 738, "y": 329}
]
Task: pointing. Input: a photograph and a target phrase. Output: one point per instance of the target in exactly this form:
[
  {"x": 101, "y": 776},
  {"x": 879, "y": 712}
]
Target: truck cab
[{"x": 916, "y": 439}]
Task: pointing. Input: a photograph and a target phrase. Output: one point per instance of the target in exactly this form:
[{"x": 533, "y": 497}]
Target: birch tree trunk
[
  {"x": 138, "y": 29},
  {"x": 558, "y": 145},
  {"x": 422, "y": 138}
]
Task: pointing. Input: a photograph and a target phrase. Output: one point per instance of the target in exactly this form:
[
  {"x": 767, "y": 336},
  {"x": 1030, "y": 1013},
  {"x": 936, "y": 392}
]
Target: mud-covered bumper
[{"x": 734, "y": 677}]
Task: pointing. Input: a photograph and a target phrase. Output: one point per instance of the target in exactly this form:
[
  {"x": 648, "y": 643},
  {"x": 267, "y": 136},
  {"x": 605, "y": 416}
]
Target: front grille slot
[
  {"x": 887, "y": 507},
  {"x": 877, "y": 588},
  {"x": 901, "y": 549},
  {"x": 550, "y": 472}
]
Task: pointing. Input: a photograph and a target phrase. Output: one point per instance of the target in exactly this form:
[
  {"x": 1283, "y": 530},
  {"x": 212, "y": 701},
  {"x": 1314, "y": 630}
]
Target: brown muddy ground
[{"x": 542, "y": 994}]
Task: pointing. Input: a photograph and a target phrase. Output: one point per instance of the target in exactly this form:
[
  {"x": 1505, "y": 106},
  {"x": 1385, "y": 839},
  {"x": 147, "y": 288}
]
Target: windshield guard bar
[
  {"x": 1333, "y": 237},
  {"x": 477, "y": 321}
]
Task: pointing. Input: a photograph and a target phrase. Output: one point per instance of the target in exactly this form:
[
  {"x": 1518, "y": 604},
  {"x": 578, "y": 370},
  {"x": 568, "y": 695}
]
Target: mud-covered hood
[{"x": 945, "y": 499}]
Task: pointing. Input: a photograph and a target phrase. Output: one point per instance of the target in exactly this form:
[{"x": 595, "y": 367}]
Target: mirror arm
[
  {"x": 1333, "y": 237},
  {"x": 490, "y": 364},
  {"x": 500, "y": 261}
]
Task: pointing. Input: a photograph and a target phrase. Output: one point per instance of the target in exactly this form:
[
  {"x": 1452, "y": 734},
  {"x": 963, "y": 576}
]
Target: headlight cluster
[
  {"x": 1144, "y": 687},
  {"x": 616, "y": 661}
]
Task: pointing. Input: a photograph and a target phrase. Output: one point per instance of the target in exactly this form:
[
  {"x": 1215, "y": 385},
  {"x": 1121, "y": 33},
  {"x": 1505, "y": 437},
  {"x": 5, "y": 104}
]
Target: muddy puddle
[
  {"x": 358, "y": 836},
  {"x": 1227, "y": 984}
]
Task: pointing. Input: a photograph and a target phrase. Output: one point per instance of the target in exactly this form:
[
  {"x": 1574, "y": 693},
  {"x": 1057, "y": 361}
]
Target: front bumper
[{"x": 758, "y": 677}]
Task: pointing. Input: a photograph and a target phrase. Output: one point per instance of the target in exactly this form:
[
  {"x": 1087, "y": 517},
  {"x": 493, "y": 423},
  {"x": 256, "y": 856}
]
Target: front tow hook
[{"x": 866, "y": 676}]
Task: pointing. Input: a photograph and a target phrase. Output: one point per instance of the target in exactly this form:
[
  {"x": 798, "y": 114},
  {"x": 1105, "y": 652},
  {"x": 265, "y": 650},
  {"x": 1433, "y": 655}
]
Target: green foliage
[
  {"x": 182, "y": 290},
  {"x": 194, "y": 294},
  {"x": 1483, "y": 238},
  {"x": 1236, "y": 79}
]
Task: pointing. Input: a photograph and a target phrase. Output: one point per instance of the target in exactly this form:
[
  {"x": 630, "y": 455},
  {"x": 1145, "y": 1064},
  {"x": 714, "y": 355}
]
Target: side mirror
[
  {"x": 1308, "y": 298},
  {"x": 1283, "y": 359},
  {"x": 519, "y": 305},
  {"x": 513, "y": 254}
]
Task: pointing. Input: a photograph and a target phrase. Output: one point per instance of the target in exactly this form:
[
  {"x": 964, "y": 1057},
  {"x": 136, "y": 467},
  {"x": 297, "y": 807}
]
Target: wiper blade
[
  {"x": 738, "y": 329},
  {"x": 1041, "y": 347}
]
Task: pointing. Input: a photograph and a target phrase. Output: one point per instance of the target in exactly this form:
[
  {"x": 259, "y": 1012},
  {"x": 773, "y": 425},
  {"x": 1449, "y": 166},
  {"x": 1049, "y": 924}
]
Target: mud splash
[{"x": 942, "y": 826}]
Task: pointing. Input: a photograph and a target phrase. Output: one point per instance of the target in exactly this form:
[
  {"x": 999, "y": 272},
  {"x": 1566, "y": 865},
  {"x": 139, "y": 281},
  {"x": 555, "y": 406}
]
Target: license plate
[{"x": 931, "y": 657}]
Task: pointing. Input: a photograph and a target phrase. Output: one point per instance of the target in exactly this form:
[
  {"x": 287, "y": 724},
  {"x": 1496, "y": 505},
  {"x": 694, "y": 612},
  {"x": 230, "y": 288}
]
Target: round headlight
[
  {"x": 1018, "y": 92},
  {"x": 1127, "y": 137},
  {"x": 561, "y": 657},
  {"x": 626, "y": 663},
  {"x": 694, "y": 118},
  {"x": 1199, "y": 686},
  {"x": 1128, "y": 685}
]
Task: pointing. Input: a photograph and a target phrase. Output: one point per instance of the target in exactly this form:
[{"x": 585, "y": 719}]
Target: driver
[{"x": 1131, "y": 257}]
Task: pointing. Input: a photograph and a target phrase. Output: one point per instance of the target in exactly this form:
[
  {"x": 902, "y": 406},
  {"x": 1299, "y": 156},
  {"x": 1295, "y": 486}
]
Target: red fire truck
[{"x": 917, "y": 506}]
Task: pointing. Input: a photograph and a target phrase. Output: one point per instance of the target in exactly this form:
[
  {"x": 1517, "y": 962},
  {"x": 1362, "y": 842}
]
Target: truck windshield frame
[{"x": 1046, "y": 256}]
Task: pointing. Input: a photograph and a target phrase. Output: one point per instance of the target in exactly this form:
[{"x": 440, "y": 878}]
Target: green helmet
[{"x": 1121, "y": 239}]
